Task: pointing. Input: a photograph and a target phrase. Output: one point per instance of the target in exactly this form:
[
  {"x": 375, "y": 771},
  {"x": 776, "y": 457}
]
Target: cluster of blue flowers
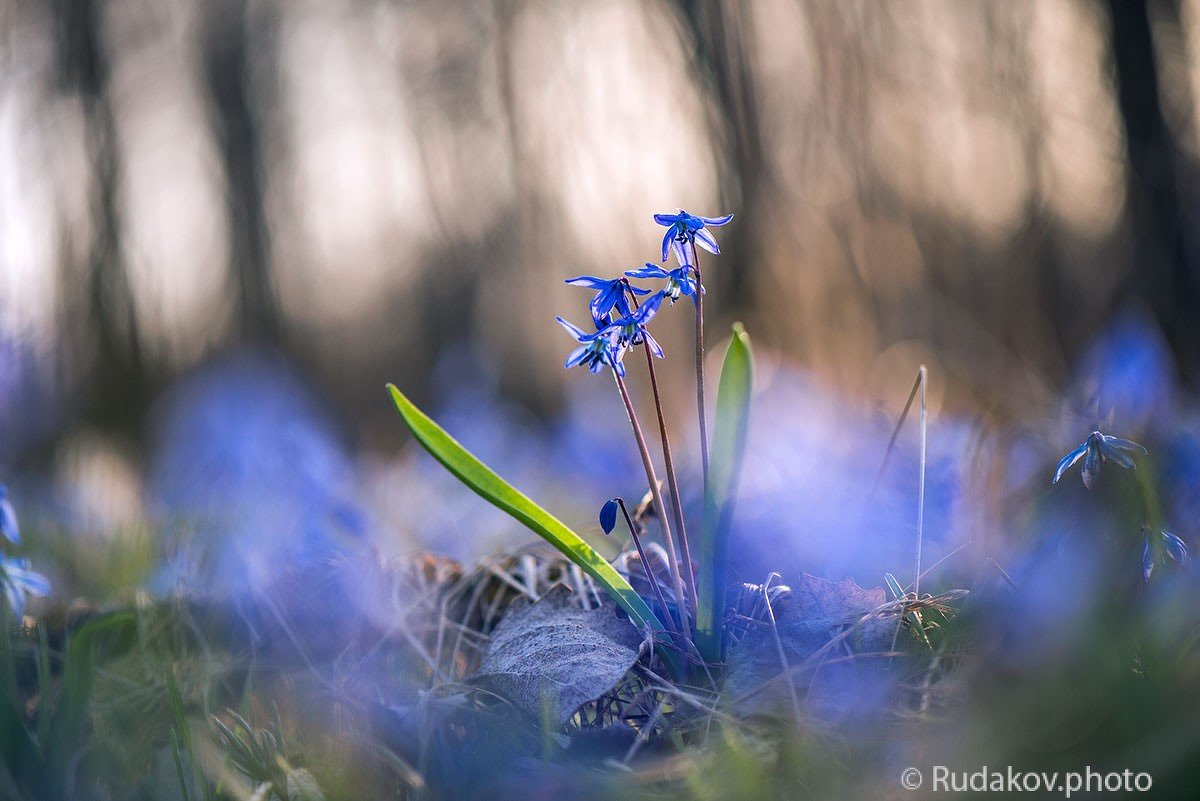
[
  {"x": 18, "y": 581},
  {"x": 1099, "y": 448},
  {"x": 619, "y": 319}
]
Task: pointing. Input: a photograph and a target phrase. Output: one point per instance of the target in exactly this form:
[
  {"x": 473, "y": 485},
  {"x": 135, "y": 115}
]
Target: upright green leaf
[
  {"x": 725, "y": 464},
  {"x": 101, "y": 639},
  {"x": 484, "y": 481}
]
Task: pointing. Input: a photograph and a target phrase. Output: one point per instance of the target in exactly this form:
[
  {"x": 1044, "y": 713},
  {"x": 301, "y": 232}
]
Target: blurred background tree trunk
[{"x": 1161, "y": 179}]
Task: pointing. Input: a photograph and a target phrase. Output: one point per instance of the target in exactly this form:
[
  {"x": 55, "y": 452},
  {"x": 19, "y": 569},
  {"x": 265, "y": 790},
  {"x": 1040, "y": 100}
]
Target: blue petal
[
  {"x": 608, "y": 516},
  {"x": 573, "y": 329},
  {"x": 706, "y": 241},
  {"x": 606, "y": 332},
  {"x": 668, "y": 238},
  {"x": 1117, "y": 457},
  {"x": 1091, "y": 465},
  {"x": 1065, "y": 463},
  {"x": 1176, "y": 548},
  {"x": 29, "y": 582},
  {"x": 1123, "y": 444},
  {"x": 681, "y": 253},
  {"x": 604, "y": 300},
  {"x": 716, "y": 221},
  {"x": 1147, "y": 561},
  {"x": 652, "y": 344},
  {"x": 647, "y": 310},
  {"x": 577, "y": 355},
  {"x": 9, "y": 529},
  {"x": 588, "y": 281},
  {"x": 649, "y": 271},
  {"x": 666, "y": 219}
]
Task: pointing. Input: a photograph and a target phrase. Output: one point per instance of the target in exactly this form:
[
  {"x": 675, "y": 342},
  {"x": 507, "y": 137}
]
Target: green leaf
[
  {"x": 725, "y": 464},
  {"x": 93, "y": 644},
  {"x": 484, "y": 481}
]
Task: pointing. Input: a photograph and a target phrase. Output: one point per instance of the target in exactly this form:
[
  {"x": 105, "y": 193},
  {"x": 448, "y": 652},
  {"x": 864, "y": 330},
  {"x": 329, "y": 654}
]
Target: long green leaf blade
[
  {"x": 492, "y": 488},
  {"x": 728, "y": 449}
]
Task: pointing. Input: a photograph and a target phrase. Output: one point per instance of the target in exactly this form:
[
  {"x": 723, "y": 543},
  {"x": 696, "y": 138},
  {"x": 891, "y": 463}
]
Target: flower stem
[
  {"x": 673, "y": 484},
  {"x": 700, "y": 367},
  {"x": 655, "y": 493},
  {"x": 650, "y": 577},
  {"x": 922, "y": 379}
]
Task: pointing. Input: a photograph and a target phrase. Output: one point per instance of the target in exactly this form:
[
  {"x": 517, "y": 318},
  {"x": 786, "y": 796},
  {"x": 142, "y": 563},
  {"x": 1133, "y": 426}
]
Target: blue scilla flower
[
  {"x": 20, "y": 582},
  {"x": 1096, "y": 449},
  {"x": 680, "y": 281},
  {"x": 9, "y": 529},
  {"x": 631, "y": 330},
  {"x": 1165, "y": 543},
  {"x": 688, "y": 228},
  {"x": 610, "y": 294},
  {"x": 597, "y": 350},
  {"x": 608, "y": 515}
]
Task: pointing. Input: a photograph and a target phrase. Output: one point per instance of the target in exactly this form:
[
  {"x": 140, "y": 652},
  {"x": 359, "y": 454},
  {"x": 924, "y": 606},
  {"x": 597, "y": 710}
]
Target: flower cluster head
[
  {"x": 1161, "y": 547},
  {"x": 689, "y": 229},
  {"x": 16, "y": 579},
  {"x": 606, "y": 346},
  {"x": 619, "y": 317},
  {"x": 1094, "y": 451}
]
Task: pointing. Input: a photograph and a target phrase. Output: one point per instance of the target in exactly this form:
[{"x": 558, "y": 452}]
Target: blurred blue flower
[
  {"x": 610, "y": 293},
  {"x": 1128, "y": 372},
  {"x": 680, "y": 281},
  {"x": 20, "y": 582},
  {"x": 608, "y": 515},
  {"x": 9, "y": 529},
  {"x": 249, "y": 477},
  {"x": 1171, "y": 546},
  {"x": 1095, "y": 450},
  {"x": 688, "y": 228},
  {"x": 597, "y": 350}
]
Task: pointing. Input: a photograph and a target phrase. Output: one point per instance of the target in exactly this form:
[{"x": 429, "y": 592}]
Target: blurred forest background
[{"x": 366, "y": 186}]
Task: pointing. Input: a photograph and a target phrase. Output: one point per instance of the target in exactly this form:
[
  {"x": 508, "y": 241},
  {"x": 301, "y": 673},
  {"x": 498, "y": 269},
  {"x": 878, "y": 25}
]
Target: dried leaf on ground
[
  {"x": 555, "y": 653},
  {"x": 808, "y": 618}
]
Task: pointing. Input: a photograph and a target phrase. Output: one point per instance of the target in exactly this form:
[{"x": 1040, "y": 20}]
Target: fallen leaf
[{"x": 552, "y": 655}]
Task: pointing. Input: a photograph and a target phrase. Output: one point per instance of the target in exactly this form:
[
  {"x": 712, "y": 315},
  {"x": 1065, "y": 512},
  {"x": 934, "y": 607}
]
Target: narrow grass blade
[
  {"x": 728, "y": 449},
  {"x": 484, "y": 481}
]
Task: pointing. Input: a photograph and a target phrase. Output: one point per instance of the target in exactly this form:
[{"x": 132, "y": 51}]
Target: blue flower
[
  {"x": 680, "y": 281},
  {"x": 631, "y": 330},
  {"x": 609, "y": 294},
  {"x": 20, "y": 582},
  {"x": 597, "y": 350},
  {"x": 1095, "y": 450},
  {"x": 688, "y": 228},
  {"x": 9, "y": 529},
  {"x": 608, "y": 515},
  {"x": 1174, "y": 548}
]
